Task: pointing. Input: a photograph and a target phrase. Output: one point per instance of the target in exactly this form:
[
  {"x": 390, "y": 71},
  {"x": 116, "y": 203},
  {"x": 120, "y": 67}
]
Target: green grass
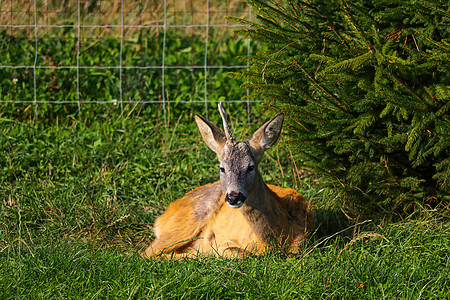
[
  {"x": 394, "y": 265},
  {"x": 79, "y": 195}
]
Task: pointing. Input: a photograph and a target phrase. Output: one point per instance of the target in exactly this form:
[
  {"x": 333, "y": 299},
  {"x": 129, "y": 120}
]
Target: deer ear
[
  {"x": 213, "y": 137},
  {"x": 266, "y": 136}
]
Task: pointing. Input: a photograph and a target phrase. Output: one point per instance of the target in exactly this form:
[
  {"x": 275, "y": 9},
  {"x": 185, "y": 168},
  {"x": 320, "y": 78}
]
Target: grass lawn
[{"x": 79, "y": 195}]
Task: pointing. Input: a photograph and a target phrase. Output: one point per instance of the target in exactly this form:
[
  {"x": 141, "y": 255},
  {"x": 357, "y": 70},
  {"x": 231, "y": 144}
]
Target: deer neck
[{"x": 263, "y": 213}]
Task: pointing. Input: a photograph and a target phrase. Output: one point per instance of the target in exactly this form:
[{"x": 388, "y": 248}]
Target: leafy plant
[{"x": 365, "y": 85}]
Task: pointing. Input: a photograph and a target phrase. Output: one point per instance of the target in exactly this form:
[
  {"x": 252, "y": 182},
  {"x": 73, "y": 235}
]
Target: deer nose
[{"x": 235, "y": 200}]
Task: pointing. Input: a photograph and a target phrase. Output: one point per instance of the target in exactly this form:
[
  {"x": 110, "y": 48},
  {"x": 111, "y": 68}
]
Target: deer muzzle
[{"x": 235, "y": 200}]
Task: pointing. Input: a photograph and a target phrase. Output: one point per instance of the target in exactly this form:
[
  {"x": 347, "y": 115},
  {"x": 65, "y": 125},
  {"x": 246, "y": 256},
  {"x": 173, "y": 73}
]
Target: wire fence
[{"x": 115, "y": 52}]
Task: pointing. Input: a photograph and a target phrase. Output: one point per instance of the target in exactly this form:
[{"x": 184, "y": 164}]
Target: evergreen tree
[{"x": 365, "y": 85}]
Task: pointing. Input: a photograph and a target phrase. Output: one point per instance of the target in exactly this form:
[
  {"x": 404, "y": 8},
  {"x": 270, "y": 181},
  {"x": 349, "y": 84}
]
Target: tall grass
[{"x": 135, "y": 12}]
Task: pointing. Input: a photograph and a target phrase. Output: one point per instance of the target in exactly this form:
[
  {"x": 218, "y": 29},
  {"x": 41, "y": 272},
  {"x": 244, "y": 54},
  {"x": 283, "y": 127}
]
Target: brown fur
[{"x": 187, "y": 228}]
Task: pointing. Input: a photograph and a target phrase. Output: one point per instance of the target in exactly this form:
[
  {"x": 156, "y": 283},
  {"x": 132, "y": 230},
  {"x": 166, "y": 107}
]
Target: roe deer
[{"x": 239, "y": 214}]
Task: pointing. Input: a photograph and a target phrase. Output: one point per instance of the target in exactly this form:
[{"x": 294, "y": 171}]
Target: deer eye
[
  {"x": 222, "y": 170},
  {"x": 251, "y": 168}
]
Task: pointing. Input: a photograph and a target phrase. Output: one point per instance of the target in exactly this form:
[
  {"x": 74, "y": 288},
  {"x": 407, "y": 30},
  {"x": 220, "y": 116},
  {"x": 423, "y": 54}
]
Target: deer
[{"x": 238, "y": 215}]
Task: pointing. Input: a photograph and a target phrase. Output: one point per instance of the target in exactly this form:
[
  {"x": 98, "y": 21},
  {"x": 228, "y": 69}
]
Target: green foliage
[{"x": 365, "y": 85}]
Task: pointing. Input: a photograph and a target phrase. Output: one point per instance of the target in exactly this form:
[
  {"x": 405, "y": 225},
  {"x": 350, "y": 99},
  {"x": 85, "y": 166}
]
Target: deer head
[{"x": 239, "y": 160}]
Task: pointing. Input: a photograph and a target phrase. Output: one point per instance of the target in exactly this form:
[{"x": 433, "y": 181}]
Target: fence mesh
[{"x": 116, "y": 51}]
